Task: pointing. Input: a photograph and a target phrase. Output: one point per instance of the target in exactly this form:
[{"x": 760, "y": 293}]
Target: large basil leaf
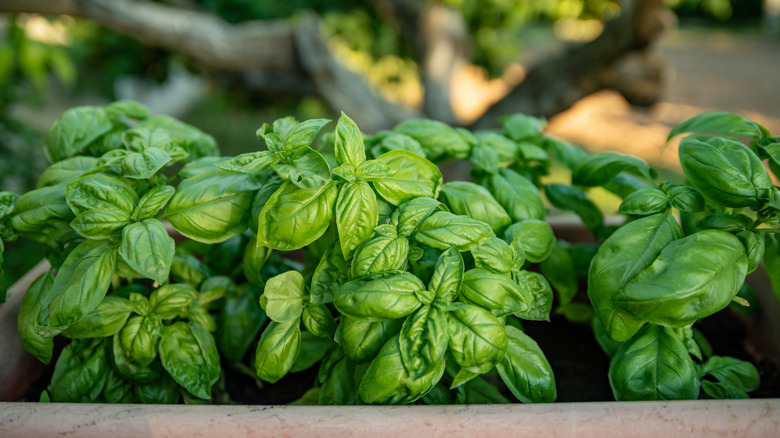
[
  {"x": 172, "y": 300},
  {"x": 691, "y": 278},
  {"x": 106, "y": 320},
  {"x": 66, "y": 170},
  {"x": 153, "y": 201},
  {"x": 386, "y": 297},
  {"x": 725, "y": 171},
  {"x": 685, "y": 199},
  {"x": 356, "y": 215},
  {"x": 525, "y": 370},
  {"x": 361, "y": 340},
  {"x": 653, "y": 365},
  {"x": 519, "y": 196},
  {"x": 147, "y": 248},
  {"x": 197, "y": 143},
  {"x": 436, "y": 138},
  {"x": 469, "y": 199},
  {"x": 190, "y": 356},
  {"x": 731, "y": 378},
  {"x": 477, "y": 337},
  {"x": 79, "y": 287},
  {"x": 497, "y": 293},
  {"x": 101, "y": 223},
  {"x": 423, "y": 341},
  {"x": 43, "y": 214},
  {"x": 412, "y": 213},
  {"x": 74, "y": 131},
  {"x": 643, "y": 202},
  {"x": 213, "y": 206},
  {"x": 442, "y": 230},
  {"x": 100, "y": 191},
  {"x": 600, "y": 169},
  {"x": 534, "y": 237},
  {"x": 318, "y": 320},
  {"x": 277, "y": 350},
  {"x": 719, "y": 122},
  {"x": 238, "y": 325},
  {"x": 349, "y": 142},
  {"x": 80, "y": 372},
  {"x": 629, "y": 251},
  {"x": 34, "y": 343},
  {"x": 143, "y": 165},
  {"x": 387, "y": 381},
  {"x": 410, "y": 176},
  {"x": 294, "y": 217},
  {"x": 139, "y": 338},
  {"x": 380, "y": 254},
  {"x": 284, "y": 297},
  {"x": 447, "y": 276},
  {"x": 302, "y": 134}
]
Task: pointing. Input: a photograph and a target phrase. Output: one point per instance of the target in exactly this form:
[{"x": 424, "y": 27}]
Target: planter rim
[{"x": 705, "y": 418}]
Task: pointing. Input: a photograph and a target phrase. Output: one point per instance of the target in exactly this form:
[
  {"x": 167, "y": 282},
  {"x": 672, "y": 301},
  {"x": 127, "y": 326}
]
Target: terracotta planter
[{"x": 705, "y": 418}]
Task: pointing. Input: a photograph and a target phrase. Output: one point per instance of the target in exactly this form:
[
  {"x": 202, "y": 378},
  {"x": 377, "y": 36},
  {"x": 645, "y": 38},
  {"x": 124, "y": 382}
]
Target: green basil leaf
[
  {"x": 392, "y": 141},
  {"x": 380, "y": 254},
  {"x": 644, "y": 202},
  {"x": 201, "y": 165},
  {"x": 143, "y": 165},
  {"x": 189, "y": 355},
  {"x": 139, "y": 338},
  {"x": 164, "y": 390},
  {"x": 199, "y": 314},
  {"x": 525, "y": 370},
  {"x": 485, "y": 159},
  {"x": 374, "y": 299},
  {"x": 442, "y": 230},
  {"x": 213, "y": 206},
  {"x": 412, "y": 213},
  {"x": 349, "y": 142},
  {"x": 387, "y": 381},
  {"x": 607, "y": 344},
  {"x": 66, "y": 170},
  {"x": 127, "y": 108},
  {"x": 755, "y": 246},
  {"x": 565, "y": 152},
  {"x": 74, "y": 131},
  {"x": 558, "y": 268},
  {"x": 653, "y": 365},
  {"x": 284, "y": 297},
  {"x": 478, "y": 339},
  {"x": 599, "y": 169},
  {"x": 519, "y": 196},
  {"x": 261, "y": 198},
  {"x": 302, "y": 134},
  {"x": 253, "y": 163},
  {"x": 732, "y": 223},
  {"x": 117, "y": 389},
  {"x": 254, "y": 259},
  {"x": 172, "y": 300},
  {"x": 277, "y": 350},
  {"x": 725, "y": 171},
  {"x": 337, "y": 376},
  {"x": 521, "y": 127},
  {"x": 733, "y": 378},
  {"x": 307, "y": 169},
  {"x": 152, "y": 202},
  {"x": 436, "y": 138},
  {"x": 128, "y": 368},
  {"x": 534, "y": 237},
  {"x": 238, "y": 324},
  {"x": 423, "y": 341},
  {"x": 691, "y": 278},
  {"x": 504, "y": 148},
  {"x": 216, "y": 288},
  {"x": 80, "y": 373},
  {"x": 447, "y": 276},
  {"x": 147, "y": 248},
  {"x": 494, "y": 255},
  {"x": 686, "y": 199},
  {"x": 497, "y": 293},
  {"x": 571, "y": 198},
  {"x": 356, "y": 215},
  {"x": 772, "y": 261},
  {"x": 34, "y": 343},
  {"x": 719, "y": 122},
  {"x": 409, "y": 176},
  {"x": 541, "y": 296},
  {"x": 295, "y": 217},
  {"x": 101, "y": 223},
  {"x": 476, "y": 202},
  {"x": 100, "y": 191},
  {"x": 361, "y": 340},
  {"x": 629, "y": 251},
  {"x": 106, "y": 320},
  {"x": 43, "y": 214},
  {"x": 189, "y": 269},
  {"x": 197, "y": 143},
  {"x": 330, "y": 274},
  {"x": 79, "y": 287}
]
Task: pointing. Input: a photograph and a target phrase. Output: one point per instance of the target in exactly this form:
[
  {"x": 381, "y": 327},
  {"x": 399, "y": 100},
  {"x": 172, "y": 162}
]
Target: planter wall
[{"x": 706, "y": 418}]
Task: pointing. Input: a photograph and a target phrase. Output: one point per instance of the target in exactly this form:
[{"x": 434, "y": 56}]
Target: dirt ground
[{"x": 705, "y": 70}]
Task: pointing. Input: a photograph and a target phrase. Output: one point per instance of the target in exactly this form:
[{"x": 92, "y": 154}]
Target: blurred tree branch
[{"x": 273, "y": 54}]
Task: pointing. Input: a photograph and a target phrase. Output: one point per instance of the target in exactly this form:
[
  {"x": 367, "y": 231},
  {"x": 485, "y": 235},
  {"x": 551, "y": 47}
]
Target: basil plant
[{"x": 348, "y": 254}]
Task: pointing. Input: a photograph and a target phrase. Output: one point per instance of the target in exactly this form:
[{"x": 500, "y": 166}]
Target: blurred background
[{"x": 607, "y": 74}]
